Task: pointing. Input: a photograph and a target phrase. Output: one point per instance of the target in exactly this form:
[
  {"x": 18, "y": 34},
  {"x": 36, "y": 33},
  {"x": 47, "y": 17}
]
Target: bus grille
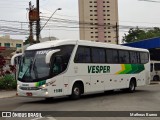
[{"x": 29, "y": 88}]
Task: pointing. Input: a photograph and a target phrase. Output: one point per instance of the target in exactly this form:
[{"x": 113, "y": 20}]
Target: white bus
[
  {"x": 155, "y": 70},
  {"x": 76, "y": 67}
]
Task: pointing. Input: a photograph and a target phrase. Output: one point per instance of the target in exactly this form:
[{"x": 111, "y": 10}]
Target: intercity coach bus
[{"x": 76, "y": 67}]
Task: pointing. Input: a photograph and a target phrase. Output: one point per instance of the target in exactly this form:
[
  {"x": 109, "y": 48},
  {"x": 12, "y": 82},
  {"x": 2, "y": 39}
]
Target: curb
[{"x": 7, "y": 93}]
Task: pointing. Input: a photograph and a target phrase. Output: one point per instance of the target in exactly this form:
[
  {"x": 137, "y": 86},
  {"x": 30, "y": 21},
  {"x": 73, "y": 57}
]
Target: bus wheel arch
[
  {"x": 77, "y": 89},
  {"x": 132, "y": 84}
]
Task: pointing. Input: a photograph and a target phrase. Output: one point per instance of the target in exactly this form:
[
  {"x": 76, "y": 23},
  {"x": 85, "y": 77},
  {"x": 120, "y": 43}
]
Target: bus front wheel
[{"x": 76, "y": 91}]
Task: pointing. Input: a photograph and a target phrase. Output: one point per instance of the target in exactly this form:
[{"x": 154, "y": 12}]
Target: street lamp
[{"x": 50, "y": 18}]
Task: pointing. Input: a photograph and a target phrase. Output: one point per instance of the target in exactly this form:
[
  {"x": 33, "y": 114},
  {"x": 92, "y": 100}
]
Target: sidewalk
[{"x": 7, "y": 93}]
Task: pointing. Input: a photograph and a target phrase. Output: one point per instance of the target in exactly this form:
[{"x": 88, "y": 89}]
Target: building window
[
  {"x": 7, "y": 44},
  {"x": 18, "y": 45}
]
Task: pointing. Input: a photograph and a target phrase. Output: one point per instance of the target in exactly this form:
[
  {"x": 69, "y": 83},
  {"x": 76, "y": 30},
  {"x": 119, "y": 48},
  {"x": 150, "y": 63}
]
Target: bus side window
[
  {"x": 133, "y": 57},
  {"x": 112, "y": 56},
  {"x": 156, "y": 66},
  {"x": 57, "y": 65},
  {"x": 151, "y": 67},
  {"x": 83, "y": 55}
]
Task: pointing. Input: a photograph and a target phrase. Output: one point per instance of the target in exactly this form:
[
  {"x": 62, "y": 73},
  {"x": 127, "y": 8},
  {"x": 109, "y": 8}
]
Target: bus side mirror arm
[
  {"x": 14, "y": 56},
  {"x": 49, "y": 55}
]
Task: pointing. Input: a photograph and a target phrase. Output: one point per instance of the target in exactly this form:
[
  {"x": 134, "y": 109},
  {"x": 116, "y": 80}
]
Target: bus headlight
[
  {"x": 18, "y": 86},
  {"x": 43, "y": 87}
]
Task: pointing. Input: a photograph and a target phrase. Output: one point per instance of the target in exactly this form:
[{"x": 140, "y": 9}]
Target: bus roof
[{"x": 55, "y": 43}]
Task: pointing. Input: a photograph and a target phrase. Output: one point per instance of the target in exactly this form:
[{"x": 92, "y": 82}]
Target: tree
[
  {"x": 2, "y": 64},
  {"x": 137, "y": 34}
]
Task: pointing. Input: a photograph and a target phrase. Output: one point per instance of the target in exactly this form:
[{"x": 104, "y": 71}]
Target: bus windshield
[{"x": 33, "y": 67}]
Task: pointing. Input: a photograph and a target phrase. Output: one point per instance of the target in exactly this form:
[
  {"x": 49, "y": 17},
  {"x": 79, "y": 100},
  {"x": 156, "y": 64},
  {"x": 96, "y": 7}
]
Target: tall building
[{"x": 99, "y": 20}]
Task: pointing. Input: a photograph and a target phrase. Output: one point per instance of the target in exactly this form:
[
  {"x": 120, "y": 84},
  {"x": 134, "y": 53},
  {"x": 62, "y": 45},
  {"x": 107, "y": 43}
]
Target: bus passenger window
[
  {"x": 112, "y": 56},
  {"x": 151, "y": 67}
]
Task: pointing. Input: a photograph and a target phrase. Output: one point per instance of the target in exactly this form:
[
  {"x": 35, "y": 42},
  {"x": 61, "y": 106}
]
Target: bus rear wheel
[
  {"x": 76, "y": 91},
  {"x": 132, "y": 86}
]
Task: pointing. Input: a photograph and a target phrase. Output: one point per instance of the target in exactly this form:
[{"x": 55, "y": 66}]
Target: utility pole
[
  {"x": 31, "y": 26},
  {"x": 38, "y": 24},
  {"x": 117, "y": 33}
]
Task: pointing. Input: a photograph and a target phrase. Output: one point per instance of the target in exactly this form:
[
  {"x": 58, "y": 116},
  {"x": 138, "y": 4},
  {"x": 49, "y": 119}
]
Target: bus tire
[
  {"x": 76, "y": 91},
  {"x": 132, "y": 86},
  {"x": 156, "y": 78}
]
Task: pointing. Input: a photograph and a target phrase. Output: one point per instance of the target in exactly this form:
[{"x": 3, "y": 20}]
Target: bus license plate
[{"x": 29, "y": 94}]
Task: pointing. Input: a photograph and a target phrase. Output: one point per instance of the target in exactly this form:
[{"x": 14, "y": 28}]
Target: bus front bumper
[{"x": 33, "y": 93}]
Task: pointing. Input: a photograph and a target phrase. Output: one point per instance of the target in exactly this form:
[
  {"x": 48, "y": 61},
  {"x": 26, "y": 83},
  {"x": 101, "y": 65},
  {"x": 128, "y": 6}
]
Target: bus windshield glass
[{"x": 33, "y": 67}]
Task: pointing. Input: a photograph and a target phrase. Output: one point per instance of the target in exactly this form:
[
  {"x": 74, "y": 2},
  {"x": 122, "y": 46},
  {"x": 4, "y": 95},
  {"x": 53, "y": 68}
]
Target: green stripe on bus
[
  {"x": 37, "y": 84},
  {"x": 132, "y": 69}
]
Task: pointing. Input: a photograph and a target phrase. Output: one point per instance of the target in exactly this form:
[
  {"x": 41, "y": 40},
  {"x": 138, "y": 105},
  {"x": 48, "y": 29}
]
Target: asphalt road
[{"x": 146, "y": 98}]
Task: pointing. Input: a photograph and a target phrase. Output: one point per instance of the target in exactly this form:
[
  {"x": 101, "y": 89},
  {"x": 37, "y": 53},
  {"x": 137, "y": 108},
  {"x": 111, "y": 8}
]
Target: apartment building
[
  {"x": 8, "y": 47},
  {"x": 7, "y": 42},
  {"x": 99, "y": 20}
]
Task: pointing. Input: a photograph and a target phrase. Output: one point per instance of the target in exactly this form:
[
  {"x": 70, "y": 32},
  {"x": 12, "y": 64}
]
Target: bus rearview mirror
[
  {"x": 49, "y": 55},
  {"x": 14, "y": 57}
]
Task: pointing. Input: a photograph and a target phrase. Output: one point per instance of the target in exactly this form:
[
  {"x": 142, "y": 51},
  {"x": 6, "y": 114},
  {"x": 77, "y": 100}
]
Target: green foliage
[
  {"x": 8, "y": 82},
  {"x": 136, "y": 34}
]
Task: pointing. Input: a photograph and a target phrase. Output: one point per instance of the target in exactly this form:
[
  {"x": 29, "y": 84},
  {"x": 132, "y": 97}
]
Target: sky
[{"x": 131, "y": 13}]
